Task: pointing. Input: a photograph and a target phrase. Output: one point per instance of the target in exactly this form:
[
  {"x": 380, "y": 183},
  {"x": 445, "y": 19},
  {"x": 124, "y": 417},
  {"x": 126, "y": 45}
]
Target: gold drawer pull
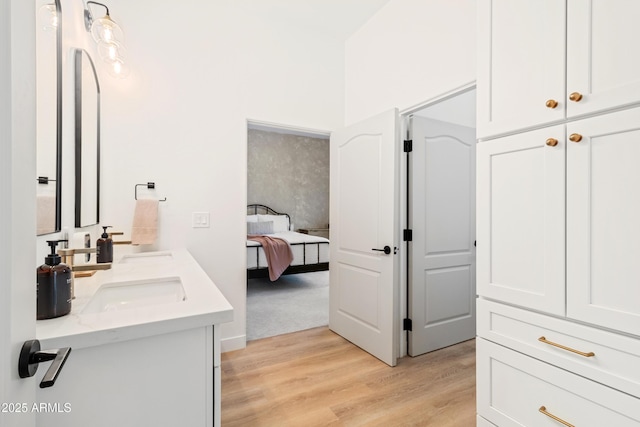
[
  {"x": 581, "y": 353},
  {"x": 552, "y": 103},
  {"x": 550, "y": 415}
]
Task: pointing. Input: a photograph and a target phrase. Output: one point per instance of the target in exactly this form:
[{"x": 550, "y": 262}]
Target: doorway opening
[
  {"x": 288, "y": 172},
  {"x": 440, "y": 212}
]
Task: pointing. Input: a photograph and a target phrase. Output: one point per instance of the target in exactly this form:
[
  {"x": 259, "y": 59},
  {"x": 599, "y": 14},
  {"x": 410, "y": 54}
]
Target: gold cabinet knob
[
  {"x": 552, "y": 142},
  {"x": 552, "y": 103},
  {"x": 575, "y": 137},
  {"x": 575, "y": 96}
]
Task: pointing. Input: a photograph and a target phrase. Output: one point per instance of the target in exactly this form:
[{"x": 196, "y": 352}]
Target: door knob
[
  {"x": 575, "y": 96},
  {"x": 552, "y": 103},
  {"x": 386, "y": 250},
  {"x": 31, "y": 357},
  {"x": 552, "y": 142},
  {"x": 575, "y": 137}
]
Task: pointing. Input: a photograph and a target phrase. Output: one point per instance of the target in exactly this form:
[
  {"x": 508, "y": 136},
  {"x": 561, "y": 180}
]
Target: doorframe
[
  {"x": 267, "y": 126},
  {"x": 405, "y": 259},
  {"x": 404, "y": 206},
  {"x": 18, "y": 211}
]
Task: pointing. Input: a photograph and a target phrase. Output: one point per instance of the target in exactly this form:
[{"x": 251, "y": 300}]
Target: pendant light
[
  {"x": 48, "y": 17},
  {"x": 102, "y": 29},
  {"x": 110, "y": 40}
]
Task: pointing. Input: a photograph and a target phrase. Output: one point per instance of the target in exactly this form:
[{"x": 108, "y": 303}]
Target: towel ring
[
  {"x": 44, "y": 180},
  {"x": 149, "y": 185}
]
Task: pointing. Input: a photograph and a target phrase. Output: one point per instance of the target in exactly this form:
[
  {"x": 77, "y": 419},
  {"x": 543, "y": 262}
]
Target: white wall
[
  {"x": 411, "y": 51},
  {"x": 460, "y": 110},
  {"x": 199, "y": 70}
]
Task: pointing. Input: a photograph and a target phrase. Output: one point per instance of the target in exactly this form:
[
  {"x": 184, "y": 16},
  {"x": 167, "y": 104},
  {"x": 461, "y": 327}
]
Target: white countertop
[{"x": 204, "y": 304}]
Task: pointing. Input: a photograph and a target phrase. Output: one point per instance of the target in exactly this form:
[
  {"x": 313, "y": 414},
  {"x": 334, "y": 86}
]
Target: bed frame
[{"x": 308, "y": 266}]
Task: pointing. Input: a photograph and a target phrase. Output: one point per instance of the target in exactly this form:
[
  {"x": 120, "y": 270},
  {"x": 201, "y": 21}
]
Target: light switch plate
[{"x": 200, "y": 220}]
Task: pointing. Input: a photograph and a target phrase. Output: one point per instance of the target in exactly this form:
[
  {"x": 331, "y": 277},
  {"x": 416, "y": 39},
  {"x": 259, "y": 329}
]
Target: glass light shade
[
  {"x": 48, "y": 17},
  {"x": 111, "y": 51},
  {"x": 105, "y": 30},
  {"x": 118, "y": 69}
]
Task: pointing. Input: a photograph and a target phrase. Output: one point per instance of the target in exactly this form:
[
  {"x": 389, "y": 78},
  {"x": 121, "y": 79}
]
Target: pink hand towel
[
  {"x": 145, "y": 222},
  {"x": 46, "y": 214}
]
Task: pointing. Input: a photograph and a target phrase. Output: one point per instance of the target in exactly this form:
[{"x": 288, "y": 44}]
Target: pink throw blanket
[{"x": 278, "y": 253}]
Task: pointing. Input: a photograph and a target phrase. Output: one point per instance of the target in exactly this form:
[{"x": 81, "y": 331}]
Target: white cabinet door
[
  {"x": 161, "y": 380},
  {"x": 521, "y": 219},
  {"x": 603, "y": 56},
  {"x": 521, "y": 64},
  {"x": 603, "y": 221}
]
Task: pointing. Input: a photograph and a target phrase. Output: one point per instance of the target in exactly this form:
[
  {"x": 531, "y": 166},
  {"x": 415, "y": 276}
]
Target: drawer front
[
  {"x": 517, "y": 390},
  {"x": 615, "y": 359}
]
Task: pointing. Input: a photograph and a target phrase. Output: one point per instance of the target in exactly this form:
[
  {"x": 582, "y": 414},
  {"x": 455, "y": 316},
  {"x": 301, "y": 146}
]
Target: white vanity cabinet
[
  {"x": 161, "y": 380},
  {"x": 558, "y": 208},
  {"x": 145, "y": 340},
  {"x": 543, "y": 61}
]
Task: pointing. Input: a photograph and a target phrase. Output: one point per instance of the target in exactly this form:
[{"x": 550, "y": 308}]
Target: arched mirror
[
  {"x": 48, "y": 116},
  {"x": 87, "y": 141}
]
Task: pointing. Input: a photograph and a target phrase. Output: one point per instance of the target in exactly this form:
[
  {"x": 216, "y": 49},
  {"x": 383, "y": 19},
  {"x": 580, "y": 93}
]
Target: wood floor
[{"x": 316, "y": 378}]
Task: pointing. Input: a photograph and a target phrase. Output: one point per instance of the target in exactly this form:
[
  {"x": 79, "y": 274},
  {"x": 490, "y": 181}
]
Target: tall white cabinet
[{"x": 558, "y": 213}]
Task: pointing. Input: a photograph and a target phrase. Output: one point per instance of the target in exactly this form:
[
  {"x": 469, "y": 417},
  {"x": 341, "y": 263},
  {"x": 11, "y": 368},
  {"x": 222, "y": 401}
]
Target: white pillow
[
  {"x": 252, "y": 218},
  {"x": 280, "y": 222},
  {"x": 265, "y": 227}
]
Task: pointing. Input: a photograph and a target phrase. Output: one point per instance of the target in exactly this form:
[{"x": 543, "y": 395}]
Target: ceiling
[{"x": 336, "y": 18}]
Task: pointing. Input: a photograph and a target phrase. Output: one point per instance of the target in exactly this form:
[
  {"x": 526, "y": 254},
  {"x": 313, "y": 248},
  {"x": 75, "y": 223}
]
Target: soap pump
[
  {"x": 104, "y": 247},
  {"x": 54, "y": 286}
]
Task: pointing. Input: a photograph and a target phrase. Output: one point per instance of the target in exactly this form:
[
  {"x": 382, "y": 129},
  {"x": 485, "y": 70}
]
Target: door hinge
[
  {"x": 406, "y": 325},
  {"x": 408, "y": 145},
  {"x": 407, "y": 235}
]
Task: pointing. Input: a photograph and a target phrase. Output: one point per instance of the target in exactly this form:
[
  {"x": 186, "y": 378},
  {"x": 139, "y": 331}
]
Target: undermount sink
[
  {"x": 134, "y": 294},
  {"x": 147, "y": 258}
]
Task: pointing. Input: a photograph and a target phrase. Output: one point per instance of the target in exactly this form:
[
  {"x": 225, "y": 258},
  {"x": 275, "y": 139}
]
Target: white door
[
  {"x": 520, "y": 219},
  {"x": 442, "y": 278},
  {"x": 603, "y": 214},
  {"x": 17, "y": 209},
  {"x": 363, "y": 289}
]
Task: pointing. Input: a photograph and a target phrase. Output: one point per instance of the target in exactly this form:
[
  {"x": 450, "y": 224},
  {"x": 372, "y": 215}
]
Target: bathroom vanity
[{"x": 145, "y": 347}]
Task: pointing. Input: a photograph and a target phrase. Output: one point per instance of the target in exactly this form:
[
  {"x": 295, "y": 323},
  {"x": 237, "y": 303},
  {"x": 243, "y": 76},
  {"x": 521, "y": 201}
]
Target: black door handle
[
  {"x": 386, "y": 250},
  {"x": 31, "y": 357}
]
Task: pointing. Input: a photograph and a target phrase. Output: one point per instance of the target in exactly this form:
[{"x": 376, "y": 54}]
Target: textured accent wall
[{"x": 290, "y": 173}]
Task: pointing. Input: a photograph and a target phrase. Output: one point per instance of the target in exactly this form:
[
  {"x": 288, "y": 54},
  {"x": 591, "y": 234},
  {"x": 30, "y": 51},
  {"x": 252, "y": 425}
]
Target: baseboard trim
[{"x": 233, "y": 343}]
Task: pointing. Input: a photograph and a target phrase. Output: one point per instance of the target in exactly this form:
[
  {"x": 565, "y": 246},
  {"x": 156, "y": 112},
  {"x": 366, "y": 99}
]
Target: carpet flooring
[{"x": 292, "y": 303}]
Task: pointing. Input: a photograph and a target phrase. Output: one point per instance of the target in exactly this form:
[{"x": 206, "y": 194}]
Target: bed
[{"x": 310, "y": 253}]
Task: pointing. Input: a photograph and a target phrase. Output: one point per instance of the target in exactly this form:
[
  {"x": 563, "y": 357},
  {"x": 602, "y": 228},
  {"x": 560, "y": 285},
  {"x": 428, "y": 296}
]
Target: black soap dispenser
[
  {"x": 54, "y": 286},
  {"x": 104, "y": 247}
]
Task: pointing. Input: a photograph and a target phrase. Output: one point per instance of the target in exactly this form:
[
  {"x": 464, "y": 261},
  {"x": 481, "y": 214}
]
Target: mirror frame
[
  {"x": 78, "y": 57},
  {"x": 59, "y": 117},
  {"x": 58, "y": 174}
]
